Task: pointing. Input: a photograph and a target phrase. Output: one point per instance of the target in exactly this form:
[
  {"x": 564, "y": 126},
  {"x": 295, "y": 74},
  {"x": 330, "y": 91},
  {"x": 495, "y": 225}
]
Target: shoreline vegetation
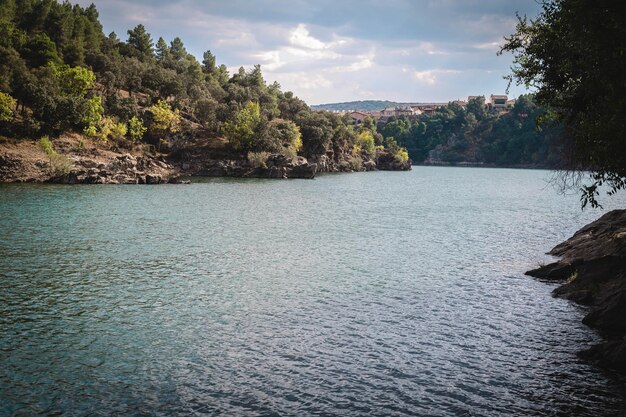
[
  {"x": 104, "y": 110},
  {"x": 63, "y": 79}
]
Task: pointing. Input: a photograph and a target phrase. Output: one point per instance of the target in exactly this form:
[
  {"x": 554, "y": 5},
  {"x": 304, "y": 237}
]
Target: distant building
[
  {"x": 498, "y": 102},
  {"x": 427, "y": 108},
  {"x": 357, "y": 117},
  {"x": 474, "y": 97}
]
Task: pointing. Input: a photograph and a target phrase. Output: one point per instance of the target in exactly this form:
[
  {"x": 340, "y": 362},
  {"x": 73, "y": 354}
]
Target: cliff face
[{"x": 593, "y": 268}]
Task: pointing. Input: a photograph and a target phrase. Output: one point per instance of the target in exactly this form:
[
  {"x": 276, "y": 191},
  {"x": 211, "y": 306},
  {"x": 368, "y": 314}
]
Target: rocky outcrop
[
  {"x": 593, "y": 268},
  {"x": 124, "y": 169},
  {"x": 388, "y": 162},
  {"x": 276, "y": 166}
]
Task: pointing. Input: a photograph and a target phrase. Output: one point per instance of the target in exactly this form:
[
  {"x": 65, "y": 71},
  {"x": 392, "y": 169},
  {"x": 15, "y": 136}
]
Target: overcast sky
[{"x": 342, "y": 50}]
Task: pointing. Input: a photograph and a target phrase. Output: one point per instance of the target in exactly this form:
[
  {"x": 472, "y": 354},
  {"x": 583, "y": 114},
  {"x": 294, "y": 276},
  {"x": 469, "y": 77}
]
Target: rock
[
  {"x": 593, "y": 266},
  {"x": 369, "y": 165},
  {"x": 388, "y": 162},
  {"x": 306, "y": 171},
  {"x": 153, "y": 179},
  {"x": 177, "y": 180}
]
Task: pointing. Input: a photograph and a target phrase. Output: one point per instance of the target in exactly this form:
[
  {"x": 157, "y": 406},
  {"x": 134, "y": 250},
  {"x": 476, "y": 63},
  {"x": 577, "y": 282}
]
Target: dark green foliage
[
  {"x": 48, "y": 50},
  {"x": 455, "y": 134},
  {"x": 139, "y": 43},
  {"x": 573, "y": 54}
]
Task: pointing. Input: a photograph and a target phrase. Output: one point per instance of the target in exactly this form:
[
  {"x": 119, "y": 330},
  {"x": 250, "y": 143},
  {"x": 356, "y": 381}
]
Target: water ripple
[{"x": 384, "y": 294}]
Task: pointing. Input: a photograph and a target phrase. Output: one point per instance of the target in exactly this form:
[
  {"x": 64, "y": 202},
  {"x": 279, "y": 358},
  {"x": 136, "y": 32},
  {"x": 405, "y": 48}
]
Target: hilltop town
[{"x": 497, "y": 103}]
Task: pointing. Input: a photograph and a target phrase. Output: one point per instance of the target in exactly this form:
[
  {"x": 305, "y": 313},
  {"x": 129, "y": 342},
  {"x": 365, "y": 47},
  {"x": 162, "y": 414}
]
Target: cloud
[
  {"x": 430, "y": 77},
  {"x": 300, "y": 37},
  {"x": 328, "y": 50}
]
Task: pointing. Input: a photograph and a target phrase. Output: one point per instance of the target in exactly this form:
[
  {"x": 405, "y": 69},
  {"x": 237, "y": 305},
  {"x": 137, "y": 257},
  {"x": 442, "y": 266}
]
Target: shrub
[
  {"x": 402, "y": 155},
  {"x": 59, "y": 164},
  {"x": 118, "y": 130},
  {"x": 356, "y": 163},
  {"x": 7, "y": 104},
  {"x": 136, "y": 130},
  {"x": 258, "y": 159},
  {"x": 365, "y": 140},
  {"x": 164, "y": 119},
  {"x": 46, "y": 145},
  {"x": 240, "y": 132}
]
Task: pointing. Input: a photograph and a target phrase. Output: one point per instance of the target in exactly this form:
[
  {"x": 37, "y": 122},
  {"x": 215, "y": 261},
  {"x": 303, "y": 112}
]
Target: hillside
[
  {"x": 60, "y": 74},
  {"x": 365, "y": 105},
  {"x": 471, "y": 135}
]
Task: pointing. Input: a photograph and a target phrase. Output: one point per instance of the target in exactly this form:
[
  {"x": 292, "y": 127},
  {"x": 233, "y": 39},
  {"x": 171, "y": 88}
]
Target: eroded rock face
[
  {"x": 124, "y": 169},
  {"x": 593, "y": 264},
  {"x": 388, "y": 162},
  {"x": 277, "y": 166}
]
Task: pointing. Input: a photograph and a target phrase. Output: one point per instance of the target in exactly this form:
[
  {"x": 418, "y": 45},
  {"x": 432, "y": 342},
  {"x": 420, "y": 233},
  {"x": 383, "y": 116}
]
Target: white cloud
[
  {"x": 430, "y": 77},
  {"x": 425, "y": 77},
  {"x": 363, "y": 62},
  {"x": 300, "y": 37},
  {"x": 488, "y": 46}
]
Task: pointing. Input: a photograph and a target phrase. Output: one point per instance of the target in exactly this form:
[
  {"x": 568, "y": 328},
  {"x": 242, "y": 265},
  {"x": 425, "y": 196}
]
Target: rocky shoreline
[
  {"x": 593, "y": 271},
  {"x": 96, "y": 163}
]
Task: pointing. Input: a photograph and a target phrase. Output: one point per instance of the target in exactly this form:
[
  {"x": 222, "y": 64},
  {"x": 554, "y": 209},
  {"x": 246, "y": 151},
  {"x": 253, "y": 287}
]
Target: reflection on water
[{"x": 364, "y": 294}]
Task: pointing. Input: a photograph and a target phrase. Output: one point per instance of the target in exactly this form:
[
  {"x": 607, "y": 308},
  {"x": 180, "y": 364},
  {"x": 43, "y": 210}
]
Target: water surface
[{"x": 383, "y": 293}]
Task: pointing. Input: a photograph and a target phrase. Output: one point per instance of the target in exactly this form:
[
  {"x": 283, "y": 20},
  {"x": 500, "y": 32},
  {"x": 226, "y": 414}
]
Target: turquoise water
[{"x": 382, "y": 293}]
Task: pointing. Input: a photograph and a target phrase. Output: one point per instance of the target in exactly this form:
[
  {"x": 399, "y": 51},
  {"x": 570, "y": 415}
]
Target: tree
[
  {"x": 7, "y": 104},
  {"x": 141, "y": 41},
  {"x": 177, "y": 49},
  {"x": 241, "y": 131},
  {"x": 164, "y": 119},
  {"x": 162, "y": 51},
  {"x": 208, "y": 63},
  {"x": 476, "y": 106},
  {"x": 573, "y": 56}
]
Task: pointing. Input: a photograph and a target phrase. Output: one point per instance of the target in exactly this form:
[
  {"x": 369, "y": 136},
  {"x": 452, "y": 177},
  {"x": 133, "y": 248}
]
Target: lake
[{"x": 380, "y": 293}]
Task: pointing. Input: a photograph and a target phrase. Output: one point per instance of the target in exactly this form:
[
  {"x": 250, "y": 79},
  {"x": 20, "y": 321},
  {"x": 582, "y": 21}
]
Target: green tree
[
  {"x": 162, "y": 51},
  {"x": 208, "y": 63},
  {"x": 573, "y": 56},
  {"x": 476, "y": 106},
  {"x": 136, "y": 129},
  {"x": 141, "y": 41},
  {"x": 164, "y": 120},
  {"x": 7, "y": 105},
  {"x": 240, "y": 132}
]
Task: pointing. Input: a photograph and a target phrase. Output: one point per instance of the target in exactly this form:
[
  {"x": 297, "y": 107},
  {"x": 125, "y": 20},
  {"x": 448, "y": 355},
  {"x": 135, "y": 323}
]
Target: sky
[{"x": 342, "y": 50}]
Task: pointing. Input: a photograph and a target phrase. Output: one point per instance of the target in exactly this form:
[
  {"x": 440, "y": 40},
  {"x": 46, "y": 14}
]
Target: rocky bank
[
  {"x": 83, "y": 161},
  {"x": 593, "y": 271}
]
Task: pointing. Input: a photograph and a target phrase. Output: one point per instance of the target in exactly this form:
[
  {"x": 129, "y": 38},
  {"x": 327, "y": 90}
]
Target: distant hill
[{"x": 364, "y": 105}]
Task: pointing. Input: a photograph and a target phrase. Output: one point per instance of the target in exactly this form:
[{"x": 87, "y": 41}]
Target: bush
[
  {"x": 7, "y": 104},
  {"x": 118, "y": 131},
  {"x": 356, "y": 163},
  {"x": 365, "y": 140},
  {"x": 59, "y": 164},
  {"x": 240, "y": 132},
  {"x": 46, "y": 144},
  {"x": 402, "y": 155},
  {"x": 136, "y": 130},
  {"x": 164, "y": 119},
  {"x": 258, "y": 159}
]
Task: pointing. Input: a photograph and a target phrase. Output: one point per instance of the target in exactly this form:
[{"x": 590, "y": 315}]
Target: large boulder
[{"x": 593, "y": 268}]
